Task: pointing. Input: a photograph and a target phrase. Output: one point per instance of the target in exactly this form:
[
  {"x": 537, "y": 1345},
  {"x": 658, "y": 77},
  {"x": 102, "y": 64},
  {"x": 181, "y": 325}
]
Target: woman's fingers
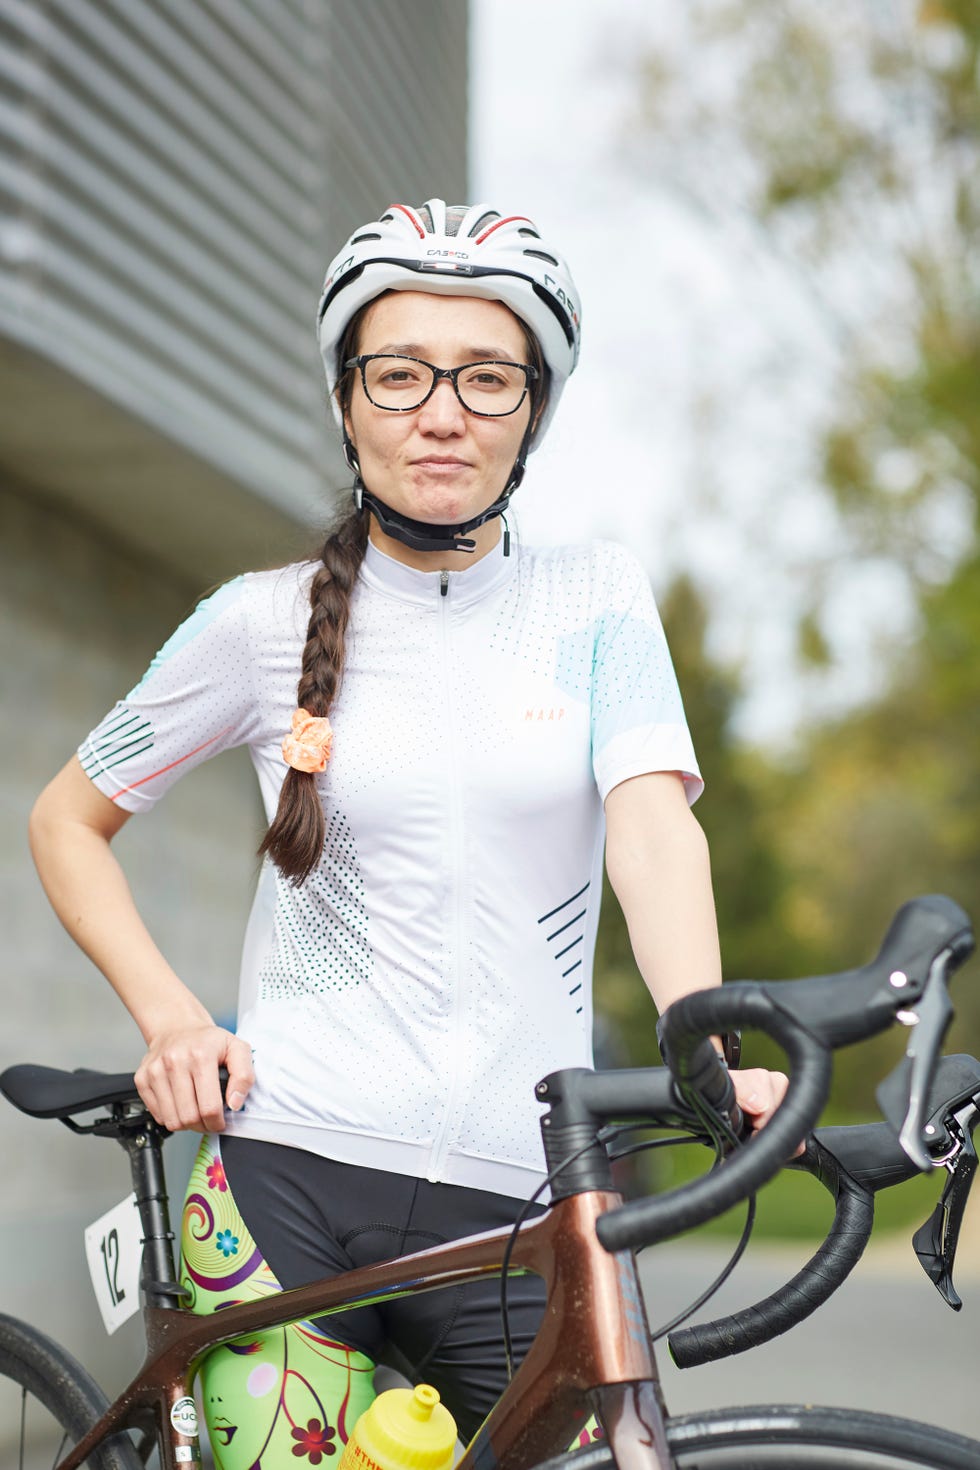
[
  {"x": 238, "y": 1060},
  {"x": 759, "y": 1093},
  {"x": 178, "y": 1077}
]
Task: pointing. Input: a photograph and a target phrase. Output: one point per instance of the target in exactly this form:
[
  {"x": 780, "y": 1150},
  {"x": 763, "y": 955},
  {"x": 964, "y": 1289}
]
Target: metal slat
[
  {"x": 174, "y": 175},
  {"x": 247, "y": 297},
  {"x": 196, "y": 118},
  {"x": 150, "y": 297},
  {"x": 259, "y": 212},
  {"x": 85, "y": 295},
  {"x": 268, "y": 52},
  {"x": 222, "y": 76}
]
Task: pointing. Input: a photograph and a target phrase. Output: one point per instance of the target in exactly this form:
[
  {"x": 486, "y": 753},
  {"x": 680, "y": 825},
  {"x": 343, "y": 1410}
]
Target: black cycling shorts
[{"x": 312, "y": 1217}]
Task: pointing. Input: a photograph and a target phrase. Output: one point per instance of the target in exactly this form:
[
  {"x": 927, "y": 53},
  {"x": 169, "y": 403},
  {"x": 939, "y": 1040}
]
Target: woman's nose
[{"x": 442, "y": 413}]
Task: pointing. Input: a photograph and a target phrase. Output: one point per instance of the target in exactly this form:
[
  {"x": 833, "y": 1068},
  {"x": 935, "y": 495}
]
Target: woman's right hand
[{"x": 178, "y": 1077}]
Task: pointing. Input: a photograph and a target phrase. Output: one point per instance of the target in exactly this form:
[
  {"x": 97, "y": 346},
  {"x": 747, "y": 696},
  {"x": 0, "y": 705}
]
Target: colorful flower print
[
  {"x": 226, "y": 1243},
  {"x": 315, "y": 1441},
  {"x": 216, "y": 1176}
]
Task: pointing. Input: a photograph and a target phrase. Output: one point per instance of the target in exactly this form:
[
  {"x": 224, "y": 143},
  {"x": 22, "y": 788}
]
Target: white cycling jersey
[{"x": 404, "y": 1001}]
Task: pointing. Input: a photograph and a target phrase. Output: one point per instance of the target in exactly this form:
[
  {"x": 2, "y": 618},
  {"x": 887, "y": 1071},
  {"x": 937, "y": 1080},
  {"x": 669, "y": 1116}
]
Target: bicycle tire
[
  {"x": 45, "y": 1394},
  {"x": 796, "y": 1437}
]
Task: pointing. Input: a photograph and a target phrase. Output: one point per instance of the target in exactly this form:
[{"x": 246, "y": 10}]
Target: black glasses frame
[{"x": 530, "y": 375}]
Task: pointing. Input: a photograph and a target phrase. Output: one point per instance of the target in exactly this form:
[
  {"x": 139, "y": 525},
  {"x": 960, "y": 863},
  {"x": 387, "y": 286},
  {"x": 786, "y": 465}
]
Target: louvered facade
[{"x": 174, "y": 175}]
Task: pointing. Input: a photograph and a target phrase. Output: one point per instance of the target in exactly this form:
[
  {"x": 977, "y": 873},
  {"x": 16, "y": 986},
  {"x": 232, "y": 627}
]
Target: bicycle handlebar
[
  {"x": 926, "y": 940},
  {"x": 812, "y": 1285},
  {"x": 852, "y": 1162}
]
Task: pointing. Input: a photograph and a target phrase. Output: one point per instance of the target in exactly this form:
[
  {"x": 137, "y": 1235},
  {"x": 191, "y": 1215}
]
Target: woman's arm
[
  {"x": 71, "y": 828},
  {"x": 658, "y": 864}
]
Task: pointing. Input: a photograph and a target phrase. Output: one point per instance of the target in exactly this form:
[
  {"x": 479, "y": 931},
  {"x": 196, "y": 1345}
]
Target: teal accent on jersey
[
  {"x": 620, "y": 666},
  {"x": 202, "y": 617}
]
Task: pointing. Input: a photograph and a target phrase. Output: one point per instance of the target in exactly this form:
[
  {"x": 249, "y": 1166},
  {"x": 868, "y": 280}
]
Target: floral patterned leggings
[
  {"x": 287, "y": 1395},
  {"x": 293, "y": 1394}
]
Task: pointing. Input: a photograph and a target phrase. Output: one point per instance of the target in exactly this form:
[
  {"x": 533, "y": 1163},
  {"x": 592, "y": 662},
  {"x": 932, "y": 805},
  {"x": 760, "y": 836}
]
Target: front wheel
[
  {"x": 787, "y": 1437},
  {"x": 47, "y": 1402}
]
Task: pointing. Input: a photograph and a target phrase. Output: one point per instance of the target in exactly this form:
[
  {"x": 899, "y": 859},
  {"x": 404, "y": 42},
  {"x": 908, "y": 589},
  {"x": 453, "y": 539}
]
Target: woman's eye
[
  {"x": 398, "y": 378},
  {"x": 485, "y": 378}
]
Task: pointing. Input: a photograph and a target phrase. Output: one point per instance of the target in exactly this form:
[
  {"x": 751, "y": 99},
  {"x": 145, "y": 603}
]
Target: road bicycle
[{"x": 594, "y": 1351}]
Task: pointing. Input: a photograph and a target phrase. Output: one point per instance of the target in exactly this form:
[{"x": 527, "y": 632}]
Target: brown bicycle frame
[{"x": 592, "y": 1353}]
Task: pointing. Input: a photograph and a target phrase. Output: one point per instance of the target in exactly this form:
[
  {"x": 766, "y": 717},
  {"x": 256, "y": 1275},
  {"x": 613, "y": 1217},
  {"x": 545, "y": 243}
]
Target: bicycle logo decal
[{"x": 183, "y": 1417}]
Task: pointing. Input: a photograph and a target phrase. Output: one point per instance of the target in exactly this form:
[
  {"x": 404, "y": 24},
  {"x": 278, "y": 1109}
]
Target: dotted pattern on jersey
[
  {"x": 547, "y": 580},
  {"x": 321, "y": 927},
  {"x": 622, "y": 666},
  {"x": 387, "y": 684},
  {"x": 617, "y": 662}
]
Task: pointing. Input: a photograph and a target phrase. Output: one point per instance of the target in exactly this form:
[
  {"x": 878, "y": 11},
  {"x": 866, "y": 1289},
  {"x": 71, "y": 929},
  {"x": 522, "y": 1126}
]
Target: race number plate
[{"x": 114, "y": 1251}]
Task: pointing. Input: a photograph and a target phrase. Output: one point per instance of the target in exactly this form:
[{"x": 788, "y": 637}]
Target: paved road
[{"x": 886, "y": 1341}]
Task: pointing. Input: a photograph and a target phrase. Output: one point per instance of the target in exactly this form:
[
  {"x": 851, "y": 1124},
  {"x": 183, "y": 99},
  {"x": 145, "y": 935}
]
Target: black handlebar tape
[
  {"x": 826, "y": 1269},
  {"x": 686, "y": 1023}
]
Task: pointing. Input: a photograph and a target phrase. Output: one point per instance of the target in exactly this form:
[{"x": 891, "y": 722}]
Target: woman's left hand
[{"x": 759, "y": 1093}]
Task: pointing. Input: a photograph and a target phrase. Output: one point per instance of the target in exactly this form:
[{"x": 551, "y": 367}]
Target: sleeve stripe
[{"x": 169, "y": 767}]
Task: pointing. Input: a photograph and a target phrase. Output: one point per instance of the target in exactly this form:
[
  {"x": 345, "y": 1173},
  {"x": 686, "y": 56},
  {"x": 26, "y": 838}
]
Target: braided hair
[{"x": 294, "y": 840}]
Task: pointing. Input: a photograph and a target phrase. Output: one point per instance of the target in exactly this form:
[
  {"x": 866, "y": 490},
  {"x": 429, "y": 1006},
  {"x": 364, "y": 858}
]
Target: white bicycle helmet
[{"x": 457, "y": 250}]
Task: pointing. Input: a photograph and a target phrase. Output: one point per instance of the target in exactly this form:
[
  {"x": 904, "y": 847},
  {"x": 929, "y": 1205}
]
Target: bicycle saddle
[{"x": 48, "y": 1092}]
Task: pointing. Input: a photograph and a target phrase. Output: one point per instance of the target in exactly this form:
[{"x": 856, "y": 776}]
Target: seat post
[{"x": 143, "y": 1141}]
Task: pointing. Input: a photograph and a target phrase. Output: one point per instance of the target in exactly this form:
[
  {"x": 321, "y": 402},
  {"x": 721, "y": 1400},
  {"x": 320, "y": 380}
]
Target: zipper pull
[{"x": 443, "y": 583}]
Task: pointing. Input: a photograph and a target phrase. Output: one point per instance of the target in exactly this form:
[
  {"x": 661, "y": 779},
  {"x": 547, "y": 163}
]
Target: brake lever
[
  {"x": 936, "y": 1240},
  {"x": 903, "y": 1095}
]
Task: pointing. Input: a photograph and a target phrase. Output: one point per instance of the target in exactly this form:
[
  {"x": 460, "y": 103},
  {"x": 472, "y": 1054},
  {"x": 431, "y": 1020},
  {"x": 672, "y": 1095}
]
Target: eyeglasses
[{"x": 400, "y": 384}]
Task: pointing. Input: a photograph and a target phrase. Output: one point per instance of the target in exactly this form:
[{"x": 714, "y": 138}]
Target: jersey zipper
[{"x": 440, "y": 1148}]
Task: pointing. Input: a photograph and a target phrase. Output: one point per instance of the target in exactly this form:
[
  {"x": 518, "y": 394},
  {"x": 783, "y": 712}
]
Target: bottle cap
[{"x": 411, "y": 1428}]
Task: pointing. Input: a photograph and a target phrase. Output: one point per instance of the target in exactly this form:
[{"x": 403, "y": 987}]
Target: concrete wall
[{"x": 81, "y": 618}]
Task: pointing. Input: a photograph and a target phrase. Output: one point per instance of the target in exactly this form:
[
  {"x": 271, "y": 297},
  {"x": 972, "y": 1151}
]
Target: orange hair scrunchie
[{"x": 307, "y": 746}]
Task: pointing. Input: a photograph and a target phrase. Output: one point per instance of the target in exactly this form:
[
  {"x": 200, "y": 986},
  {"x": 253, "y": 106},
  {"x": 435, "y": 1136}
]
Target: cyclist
[{"x": 445, "y": 727}]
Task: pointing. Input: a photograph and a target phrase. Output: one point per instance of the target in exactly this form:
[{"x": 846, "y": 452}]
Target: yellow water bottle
[{"x": 404, "y": 1429}]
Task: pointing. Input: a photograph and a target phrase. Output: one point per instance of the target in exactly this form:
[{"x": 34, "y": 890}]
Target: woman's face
[{"x": 438, "y": 463}]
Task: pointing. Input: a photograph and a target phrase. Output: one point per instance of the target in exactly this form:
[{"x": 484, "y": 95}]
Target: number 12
[{"x": 110, "y": 1257}]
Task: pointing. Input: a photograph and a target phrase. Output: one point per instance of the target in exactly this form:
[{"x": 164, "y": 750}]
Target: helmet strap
[{"x": 422, "y": 535}]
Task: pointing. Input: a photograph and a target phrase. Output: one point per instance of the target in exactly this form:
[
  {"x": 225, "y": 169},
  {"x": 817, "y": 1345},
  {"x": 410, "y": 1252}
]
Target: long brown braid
[{"x": 294, "y": 840}]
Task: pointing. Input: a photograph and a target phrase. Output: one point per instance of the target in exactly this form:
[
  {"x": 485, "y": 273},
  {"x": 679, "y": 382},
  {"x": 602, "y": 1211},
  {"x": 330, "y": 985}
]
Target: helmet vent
[
  {"x": 542, "y": 255},
  {"x": 359, "y": 239},
  {"x": 485, "y": 219},
  {"x": 425, "y": 215},
  {"x": 528, "y": 234}
]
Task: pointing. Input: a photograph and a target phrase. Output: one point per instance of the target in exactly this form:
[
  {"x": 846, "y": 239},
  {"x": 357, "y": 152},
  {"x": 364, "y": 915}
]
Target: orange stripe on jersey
[{"x": 180, "y": 760}]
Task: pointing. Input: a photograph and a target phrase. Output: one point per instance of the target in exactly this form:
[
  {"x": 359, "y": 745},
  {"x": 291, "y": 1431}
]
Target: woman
[{"x": 419, "y": 951}]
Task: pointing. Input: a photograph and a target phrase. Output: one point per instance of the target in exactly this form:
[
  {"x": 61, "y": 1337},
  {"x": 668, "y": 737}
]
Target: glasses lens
[
  {"x": 402, "y": 383},
  {"x": 492, "y": 387},
  {"x": 397, "y": 382}
]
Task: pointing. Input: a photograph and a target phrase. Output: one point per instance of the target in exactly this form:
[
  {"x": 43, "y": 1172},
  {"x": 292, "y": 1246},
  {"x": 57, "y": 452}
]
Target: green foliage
[{"x": 850, "y": 138}]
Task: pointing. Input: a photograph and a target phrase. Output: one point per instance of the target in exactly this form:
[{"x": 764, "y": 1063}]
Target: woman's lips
[{"x": 439, "y": 466}]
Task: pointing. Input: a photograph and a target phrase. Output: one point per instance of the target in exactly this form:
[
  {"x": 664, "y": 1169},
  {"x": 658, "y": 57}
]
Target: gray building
[{"x": 174, "y": 175}]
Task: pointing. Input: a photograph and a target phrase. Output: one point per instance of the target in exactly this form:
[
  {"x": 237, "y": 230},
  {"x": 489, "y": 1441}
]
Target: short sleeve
[
  {"x": 638, "y": 721},
  {"x": 194, "y": 701}
]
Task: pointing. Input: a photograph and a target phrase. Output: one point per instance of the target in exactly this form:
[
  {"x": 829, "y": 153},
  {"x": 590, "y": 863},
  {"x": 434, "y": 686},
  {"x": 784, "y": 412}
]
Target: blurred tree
[{"x": 842, "y": 143}]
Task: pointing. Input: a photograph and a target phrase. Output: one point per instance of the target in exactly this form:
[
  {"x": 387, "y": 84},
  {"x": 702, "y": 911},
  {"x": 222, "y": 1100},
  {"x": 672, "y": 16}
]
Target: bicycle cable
[
  {"x": 740, "y": 1247},
  {"x": 604, "y": 1136}
]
